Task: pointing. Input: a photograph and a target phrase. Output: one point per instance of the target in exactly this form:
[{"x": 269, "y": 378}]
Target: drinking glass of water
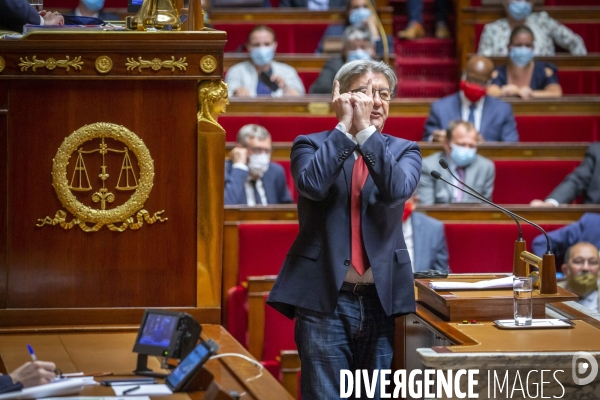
[{"x": 522, "y": 291}]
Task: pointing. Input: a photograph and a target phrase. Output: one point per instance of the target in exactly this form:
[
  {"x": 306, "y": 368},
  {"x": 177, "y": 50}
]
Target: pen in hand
[
  {"x": 131, "y": 390},
  {"x": 31, "y": 353}
]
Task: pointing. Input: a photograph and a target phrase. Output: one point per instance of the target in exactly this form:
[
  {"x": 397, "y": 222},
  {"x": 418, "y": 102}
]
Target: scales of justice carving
[{"x": 127, "y": 181}]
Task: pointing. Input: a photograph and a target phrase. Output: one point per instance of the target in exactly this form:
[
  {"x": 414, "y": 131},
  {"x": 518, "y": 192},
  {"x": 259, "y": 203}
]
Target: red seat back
[
  {"x": 291, "y": 38},
  {"x": 279, "y": 333},
  {"x": 579, "y": 81},
  {"x": 263, "y": 247},
  {"x": 486, "y": 247},
  {"x": 581, "y": 128},
  {"x": 237, "y": 314},
  {"x": 286, "y": 164},
  {"x": 519, "y": 182}
]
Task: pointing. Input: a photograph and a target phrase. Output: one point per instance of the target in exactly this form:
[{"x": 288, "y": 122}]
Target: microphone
[
  {"x": 444, "y": 165},
  {"x": 519, "y": 266},
  {"x": 549, "y": 266}
]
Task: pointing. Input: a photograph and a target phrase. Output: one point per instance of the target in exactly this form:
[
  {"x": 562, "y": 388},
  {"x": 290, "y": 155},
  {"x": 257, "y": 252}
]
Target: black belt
[{"x": 359, "y": 289}]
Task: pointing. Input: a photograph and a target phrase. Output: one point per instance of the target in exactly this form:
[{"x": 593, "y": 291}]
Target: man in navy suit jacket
[
  {"x": 587, "y": 229},
  {"x": 250, "y": 177},
  {"x": 344, "y": 313},
  {"x": 493, "y": 118},
  {"x": 16, "y": 13}
]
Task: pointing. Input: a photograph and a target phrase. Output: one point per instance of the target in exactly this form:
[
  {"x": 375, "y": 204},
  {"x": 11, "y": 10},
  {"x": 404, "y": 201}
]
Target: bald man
[
  {"x": 493, "y": 118},
  {"x": 581, "y": 269}
]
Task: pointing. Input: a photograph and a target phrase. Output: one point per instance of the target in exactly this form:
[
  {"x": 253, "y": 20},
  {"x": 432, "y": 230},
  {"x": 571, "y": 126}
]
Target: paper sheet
[
  {"x": 487, "y": 284},
  {"x": 149, "y": 390}
]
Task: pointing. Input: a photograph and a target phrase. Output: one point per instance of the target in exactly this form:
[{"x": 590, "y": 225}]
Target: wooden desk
[{"x": 73, "y": 352}]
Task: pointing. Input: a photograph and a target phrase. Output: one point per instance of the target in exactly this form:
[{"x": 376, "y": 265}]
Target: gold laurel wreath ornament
[{"x": 83, "y": 214}]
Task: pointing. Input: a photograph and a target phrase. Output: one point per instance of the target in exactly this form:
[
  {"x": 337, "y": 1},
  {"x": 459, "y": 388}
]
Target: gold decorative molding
[
  {"x": 213, "y": 98},
  {"x": 123, "y": 213},
  {"x": 104, "y": 64},
  {"x": 2, "y": 64},
  {"x": 208, "y": 64},
  {"x": 156, "y": 64},
  {"x": 50, "y": 63}
]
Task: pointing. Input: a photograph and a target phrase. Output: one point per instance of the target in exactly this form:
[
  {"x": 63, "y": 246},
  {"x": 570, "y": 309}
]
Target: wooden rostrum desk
[
  {"x": 432, "y": 339},
  {"x": 111, "y": 351}
]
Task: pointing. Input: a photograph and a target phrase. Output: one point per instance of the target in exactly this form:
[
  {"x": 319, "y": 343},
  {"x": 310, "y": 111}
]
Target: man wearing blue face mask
[
  {"x": 460, "y": 152},
  {"x": 250, "y": 176},
  {"x": 261, "y": 75},
  {"x": 358, "y": 45},
  {"x": 546, "y": 30},
  {"x": 522, "y": 76},
  {"x": 94, "y": 8}
]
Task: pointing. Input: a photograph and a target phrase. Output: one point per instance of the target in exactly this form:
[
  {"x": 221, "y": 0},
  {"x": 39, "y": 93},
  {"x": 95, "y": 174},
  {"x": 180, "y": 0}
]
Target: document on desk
[
  {"x": 500, "y": 283},
  {"x": 144, "y": 390},
  {"x": 60, "y": 388}
]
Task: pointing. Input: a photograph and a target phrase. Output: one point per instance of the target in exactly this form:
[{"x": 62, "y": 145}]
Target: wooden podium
[{"x": 56, "y": 91}]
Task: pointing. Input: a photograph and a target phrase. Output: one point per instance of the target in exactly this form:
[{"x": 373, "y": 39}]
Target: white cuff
[
  {"x": 553, "y": 202},
  {"x": 41, "y": 20},
  {"x": 240, "y": 165},
  {"x": 341, "y": 127},
  {"x": 362, "y": 136}
]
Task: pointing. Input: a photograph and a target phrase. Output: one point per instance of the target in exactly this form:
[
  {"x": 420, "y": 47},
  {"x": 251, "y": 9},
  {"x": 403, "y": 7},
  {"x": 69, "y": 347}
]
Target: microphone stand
[
  {"x": 548, "y": 284},
  {"x": 519, "y": 266}
]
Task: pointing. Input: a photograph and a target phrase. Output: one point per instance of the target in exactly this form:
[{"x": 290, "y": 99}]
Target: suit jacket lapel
[
  {"x": 347, "y": 166},
  {"x": 485, "y": 115}
]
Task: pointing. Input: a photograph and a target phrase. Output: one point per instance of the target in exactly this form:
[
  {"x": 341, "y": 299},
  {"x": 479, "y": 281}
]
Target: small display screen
[
  {"x": 158, "y": 330},
  {"x": 180, "y": 374}
]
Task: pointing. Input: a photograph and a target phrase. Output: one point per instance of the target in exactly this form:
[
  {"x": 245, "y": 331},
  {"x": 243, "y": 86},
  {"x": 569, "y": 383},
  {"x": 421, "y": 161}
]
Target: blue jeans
[
  {"x": 358, "y": 335},
  {"x": 415, "y": 10}
]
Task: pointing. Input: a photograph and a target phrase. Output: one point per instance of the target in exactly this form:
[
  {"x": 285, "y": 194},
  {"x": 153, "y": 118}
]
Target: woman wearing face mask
[
  {"x": 547, "y": 31},
  {"x": 358, "y": 14},
  {"x": 358, "y": 45},
  {"x": 94, "y": 8},
  {"x": 522, "y": 76}
]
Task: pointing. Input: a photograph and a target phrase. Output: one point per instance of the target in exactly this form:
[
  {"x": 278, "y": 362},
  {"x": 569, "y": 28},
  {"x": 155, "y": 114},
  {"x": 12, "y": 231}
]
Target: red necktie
[{"x": 359, "y": 177}]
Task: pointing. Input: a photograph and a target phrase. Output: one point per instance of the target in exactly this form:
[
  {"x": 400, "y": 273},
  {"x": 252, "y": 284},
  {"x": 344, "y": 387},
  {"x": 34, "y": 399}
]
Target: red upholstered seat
[
  {"x": 519, "y": 182},
  {"x": 308, "y": 78},
  {"x": 579, "y": 81},
  {"x": 263, "y": 247},
  {"x": 286, "y": 164},
  {"x": 475, "y": 248},
  {"x": 560, "y": 128},
  {"x": 291, "y": 38},
  {"x": 279, "y": 334},
  {"x": 285, "y": 129},
  {"x": 237, "y": 313}
]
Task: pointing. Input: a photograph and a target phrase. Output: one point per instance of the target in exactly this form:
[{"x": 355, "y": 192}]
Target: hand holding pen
[{"x": 34, "y": 373}]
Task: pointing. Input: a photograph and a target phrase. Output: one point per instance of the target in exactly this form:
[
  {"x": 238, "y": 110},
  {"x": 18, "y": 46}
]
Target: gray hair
[
  {"x": 356, "y": 33},
  {"x": 354, "y": 69},
  {"x": 452, "y": 125},
  {"x": 252, "y": 130}
]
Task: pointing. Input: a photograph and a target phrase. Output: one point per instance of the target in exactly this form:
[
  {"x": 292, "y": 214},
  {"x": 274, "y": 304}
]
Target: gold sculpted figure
[{"x": 214, "y": 99}]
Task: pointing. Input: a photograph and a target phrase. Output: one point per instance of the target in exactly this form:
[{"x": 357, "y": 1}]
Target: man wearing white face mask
[
  {"x": 94, "y": 8},
  {"x": 250, "y": 176},
  {"x": 460, "y": 152},
  {"x": 261, "y": 76},
  {"x": 546, "y": 30}
]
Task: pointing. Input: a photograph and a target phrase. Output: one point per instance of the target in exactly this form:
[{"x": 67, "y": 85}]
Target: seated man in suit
[
  {"x": 315, "y": 5},
  {"x": 460, "y": 152},
  {"x": 585, "y": 180},
  {"x": 16, "y": 13},
  {"x": 27, "y": 375},
  {"x": 250, "y": 177},
  {"x": 261, "y": 75},
  {"x": 582, "y": 270},
  {"x": 493, "y": 118},
  {"x": 587, "y": 229},
  {"x": 425, "y": 239}
]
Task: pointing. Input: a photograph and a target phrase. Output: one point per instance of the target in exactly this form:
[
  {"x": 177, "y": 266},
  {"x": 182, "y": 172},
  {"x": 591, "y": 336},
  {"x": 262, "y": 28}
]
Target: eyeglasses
[{"x": 385, "y": 94}]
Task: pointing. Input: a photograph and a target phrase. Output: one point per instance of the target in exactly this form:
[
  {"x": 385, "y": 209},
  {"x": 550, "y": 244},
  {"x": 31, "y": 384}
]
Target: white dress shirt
[
  {"x": 407, "y": 231},
  {"x": 361, "y": 137},
  {"x": 590, "y": 301},
  {"x": 465, "y": 107}
]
